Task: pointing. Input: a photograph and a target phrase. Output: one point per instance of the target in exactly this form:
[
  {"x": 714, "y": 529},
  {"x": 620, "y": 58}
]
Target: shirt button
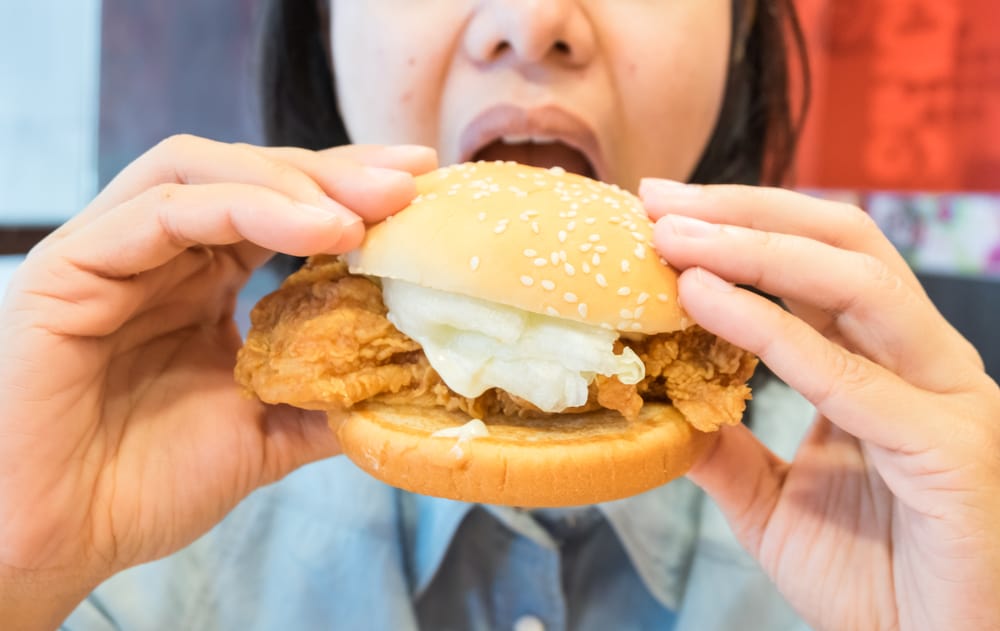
[{"x": 528, "y": 623}]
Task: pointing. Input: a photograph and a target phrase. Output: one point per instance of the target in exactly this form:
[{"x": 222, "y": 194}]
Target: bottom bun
[{"x": 564, "y": 460}]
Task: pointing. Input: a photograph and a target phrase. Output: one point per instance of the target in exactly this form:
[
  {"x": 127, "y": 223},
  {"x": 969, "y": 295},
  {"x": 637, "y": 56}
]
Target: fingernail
[
  {"x": 711, "y": 281},
  {"x": 388, "y": 177},
  {"x": 668, "y": 189},
  {"x": 331, "y": 210},
  {"x": 412, "y": 152},
  {"x": 689, "y": 226}
]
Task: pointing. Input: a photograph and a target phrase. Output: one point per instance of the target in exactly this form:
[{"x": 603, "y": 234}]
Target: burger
[{"x": 511, "y": 337}]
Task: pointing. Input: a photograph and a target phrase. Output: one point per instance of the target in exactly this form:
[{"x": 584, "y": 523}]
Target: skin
[{"x": 123, "y": 436}]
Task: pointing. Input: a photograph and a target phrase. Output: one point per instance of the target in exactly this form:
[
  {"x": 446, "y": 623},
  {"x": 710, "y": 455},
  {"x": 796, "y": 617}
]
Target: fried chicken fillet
[{"x": 322, "y": 341}]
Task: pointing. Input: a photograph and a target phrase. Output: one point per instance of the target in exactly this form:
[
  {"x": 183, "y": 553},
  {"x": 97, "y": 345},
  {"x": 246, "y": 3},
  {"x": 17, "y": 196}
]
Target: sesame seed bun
[
  {"x": 571, "y": 460},
  {"x": 549, "y": 242},
  {"x": 542, "y": 240}
]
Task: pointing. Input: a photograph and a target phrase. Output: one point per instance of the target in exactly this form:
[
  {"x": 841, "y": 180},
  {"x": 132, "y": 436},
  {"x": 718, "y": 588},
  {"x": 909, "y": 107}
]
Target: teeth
[{"x": 515, "y": 139}]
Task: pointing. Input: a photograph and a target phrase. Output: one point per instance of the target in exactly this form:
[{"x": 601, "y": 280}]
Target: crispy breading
[{"x": 323, "y": 341}]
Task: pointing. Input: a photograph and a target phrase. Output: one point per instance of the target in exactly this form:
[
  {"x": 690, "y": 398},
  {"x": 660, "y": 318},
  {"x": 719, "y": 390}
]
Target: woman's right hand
[{"x": 123, "y": 435}]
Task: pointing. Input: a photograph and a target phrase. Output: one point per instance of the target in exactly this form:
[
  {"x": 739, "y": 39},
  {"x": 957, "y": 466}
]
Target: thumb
[
  {"x": 293, "y": 438},
  {"x": 745, "y": 479}
]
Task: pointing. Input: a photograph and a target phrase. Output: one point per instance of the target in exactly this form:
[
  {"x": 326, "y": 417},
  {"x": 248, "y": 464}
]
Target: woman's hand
[
  {"x": 889, "y": 515},
  {"x": 123, "y": 435}
]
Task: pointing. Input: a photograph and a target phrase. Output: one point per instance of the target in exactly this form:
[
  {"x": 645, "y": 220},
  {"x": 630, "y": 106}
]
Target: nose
[{"x": 530, "y": 32}]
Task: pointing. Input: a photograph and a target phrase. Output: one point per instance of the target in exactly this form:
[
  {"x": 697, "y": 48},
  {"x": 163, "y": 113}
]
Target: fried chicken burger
[{"x": 511, "y": 337}]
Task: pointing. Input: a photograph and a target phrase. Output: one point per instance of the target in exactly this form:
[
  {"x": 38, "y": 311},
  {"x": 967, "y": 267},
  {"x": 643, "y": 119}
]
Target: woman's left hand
[{"x": 889, "y": 515}]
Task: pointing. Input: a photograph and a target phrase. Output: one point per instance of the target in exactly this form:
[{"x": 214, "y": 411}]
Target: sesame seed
[
  {"x": 548, "y": 285},
  {"x": 607, "y": 326},
  {"x": 534, "y": 227},
  {"x": 569, "y": 269},
  {"x": 557, "y": 170},
  {"x": 596, "y": 259},
  {"x": 662, "y": 297},
  {"x": 638, "y": 236},
  {"x": 574, "y": 206},
  {"x": 554, "y": 257},
  {"x": 594, "y": 238},
  {"x": 482, "y": 216},
  {"x": 624, "y": 291},
  {"x": 530, "y": 253},
  {"x": 590, "y": 221},
  {"x": 570, "y": 297},
  {"x": 643, "y": 297},
  {"x": 551, "y": 311},
  {"x": 615, "y": 219},
  {"x": 601, "y": 248},
  {"x": 527, "y": 281},
  {"x": 626, "y": 266},
  {"x": 626, "y": 314},
  {"x": 500, "y": 228},
  {"x": 571, "y": 226},
  {"x": 582, "y": 309},
  {"x": 585, "y": 266},
  {"x": 640, "y": 251},
  {"x": 603, "y": 282},
  {"x": 474, "y": 263},
  {"x": 562, "y": 236},
  {"x": 541, "y": 262},
  {"x": 585, "y": 247},
  {"x": 638, "y": 312},
  {"x": 635, "y": 326}
]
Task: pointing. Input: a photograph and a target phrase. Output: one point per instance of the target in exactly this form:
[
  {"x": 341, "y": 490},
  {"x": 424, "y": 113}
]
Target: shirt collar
[{"x": 658, "y": 530}]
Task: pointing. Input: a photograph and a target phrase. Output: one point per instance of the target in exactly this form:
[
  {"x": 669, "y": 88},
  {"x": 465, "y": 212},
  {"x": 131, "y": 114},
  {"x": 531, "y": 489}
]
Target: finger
[
  {"x": 293, "y": 438},
  {"x": 745, "y": 479},
  {"x": 777, "y": 210},
  {"x": 169, "y": 218},
  {"x": 341, "y": 173},
  {"x": 191, "y": 160},
  {"x": 91, "y": 273},
  {"x": 414, "y": 159},
  {"x": 861, "y": 397},
  {"x": 878, "y": 313}
]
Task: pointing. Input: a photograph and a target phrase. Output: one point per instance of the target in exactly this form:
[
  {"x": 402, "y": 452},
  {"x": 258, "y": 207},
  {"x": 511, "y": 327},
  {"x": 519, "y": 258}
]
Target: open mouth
[
  {"x": 546, "y": 137},
  {"x": 537, "y": 151}
]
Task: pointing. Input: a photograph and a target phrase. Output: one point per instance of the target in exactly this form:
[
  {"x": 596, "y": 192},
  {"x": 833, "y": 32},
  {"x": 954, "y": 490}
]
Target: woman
[{"x": 124, "y": 437}]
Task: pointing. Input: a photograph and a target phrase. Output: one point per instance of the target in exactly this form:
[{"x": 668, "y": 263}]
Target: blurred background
[{"x": 904, "y": 121}]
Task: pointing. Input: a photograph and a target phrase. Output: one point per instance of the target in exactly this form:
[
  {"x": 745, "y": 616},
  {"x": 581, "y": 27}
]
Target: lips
[{"x": 545, "y": 137}]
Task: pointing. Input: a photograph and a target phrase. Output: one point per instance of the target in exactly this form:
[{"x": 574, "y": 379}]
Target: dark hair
[{"x": 753, "y": 142}]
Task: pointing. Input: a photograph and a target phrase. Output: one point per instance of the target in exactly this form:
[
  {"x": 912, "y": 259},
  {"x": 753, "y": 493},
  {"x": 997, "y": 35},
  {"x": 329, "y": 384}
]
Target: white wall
[{"x": 49, "y": 70}]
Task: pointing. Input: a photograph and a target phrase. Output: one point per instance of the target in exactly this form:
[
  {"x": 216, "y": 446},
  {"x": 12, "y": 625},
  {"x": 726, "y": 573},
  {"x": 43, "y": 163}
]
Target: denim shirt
[{"x": 329, "y": 547}]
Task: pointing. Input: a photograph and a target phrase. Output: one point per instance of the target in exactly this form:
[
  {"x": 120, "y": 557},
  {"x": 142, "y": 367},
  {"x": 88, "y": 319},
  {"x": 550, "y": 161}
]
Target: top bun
[{"x": 542, "y": 240}]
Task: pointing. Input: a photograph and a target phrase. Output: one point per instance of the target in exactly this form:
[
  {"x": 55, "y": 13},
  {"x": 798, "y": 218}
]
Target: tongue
[{"x": 538, "y": 155}]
